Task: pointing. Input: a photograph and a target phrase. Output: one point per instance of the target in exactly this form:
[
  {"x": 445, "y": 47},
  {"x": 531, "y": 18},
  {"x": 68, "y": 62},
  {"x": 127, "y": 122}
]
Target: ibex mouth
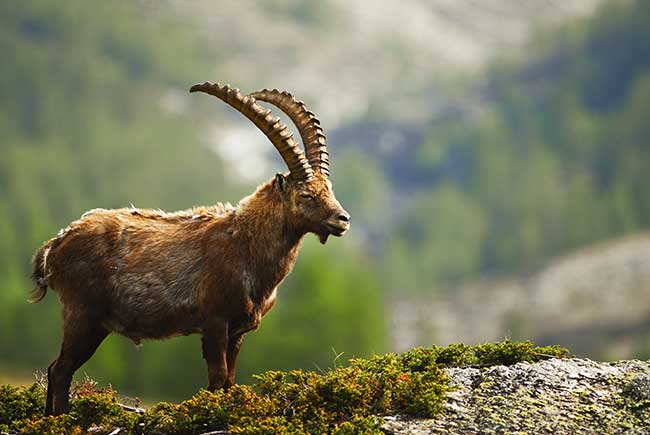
[
  {"x": 336, "y": 230},
  {"x": 332, "y": 230}
]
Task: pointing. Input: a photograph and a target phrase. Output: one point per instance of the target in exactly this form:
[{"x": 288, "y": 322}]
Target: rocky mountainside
[
  {"x": 589, "y": 301},
  {"x": 369, "y": 56},
  {"x": 557, "y": 396},
  {"x": 399, "y": 60}
]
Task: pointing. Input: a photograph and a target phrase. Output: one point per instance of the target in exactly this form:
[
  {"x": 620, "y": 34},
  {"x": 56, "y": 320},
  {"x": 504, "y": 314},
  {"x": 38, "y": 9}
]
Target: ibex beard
[{"x": 214, "y": 270}]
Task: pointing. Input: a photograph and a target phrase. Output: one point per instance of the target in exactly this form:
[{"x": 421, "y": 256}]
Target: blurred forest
[{"x": 539, "y": 152}]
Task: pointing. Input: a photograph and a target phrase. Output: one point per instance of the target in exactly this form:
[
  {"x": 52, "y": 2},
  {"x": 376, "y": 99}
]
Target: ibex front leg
[{"x": 215, "y": 347}]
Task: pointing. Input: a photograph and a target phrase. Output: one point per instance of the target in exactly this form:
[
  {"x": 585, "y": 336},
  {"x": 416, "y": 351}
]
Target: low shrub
[{"x": 344, "y": 401}]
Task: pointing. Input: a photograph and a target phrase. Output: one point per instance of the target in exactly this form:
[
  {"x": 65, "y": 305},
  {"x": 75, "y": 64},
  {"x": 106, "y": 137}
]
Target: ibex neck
[{"x": 272, "y": 241}]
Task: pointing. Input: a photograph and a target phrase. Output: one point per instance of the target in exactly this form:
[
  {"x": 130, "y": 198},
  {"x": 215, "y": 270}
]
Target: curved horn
[
  {"x": 306, "y": 122},
  {"x": 277, "y": 133}
]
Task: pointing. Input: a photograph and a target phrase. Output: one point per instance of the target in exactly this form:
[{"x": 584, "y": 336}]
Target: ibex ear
[{"x": 281, "y": 181}]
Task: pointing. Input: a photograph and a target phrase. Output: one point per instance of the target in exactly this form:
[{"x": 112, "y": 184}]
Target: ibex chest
[
  {"x": 250, "y": 319},
  {"x": 258, "y": 282},
  {"x": 261, "y": 295},
  {"x": 265, "y": 305}
]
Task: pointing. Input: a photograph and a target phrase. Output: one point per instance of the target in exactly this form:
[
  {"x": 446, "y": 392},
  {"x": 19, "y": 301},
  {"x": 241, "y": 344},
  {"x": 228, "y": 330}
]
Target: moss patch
[{"x": 342, "y": 401}]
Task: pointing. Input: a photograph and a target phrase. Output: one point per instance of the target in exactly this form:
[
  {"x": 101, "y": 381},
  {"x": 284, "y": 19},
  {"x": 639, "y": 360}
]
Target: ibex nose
[{"x": 344, "y": 217}]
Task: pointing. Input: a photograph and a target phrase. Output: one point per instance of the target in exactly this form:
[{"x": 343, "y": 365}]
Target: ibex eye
[{"x": 307, "y": 196}]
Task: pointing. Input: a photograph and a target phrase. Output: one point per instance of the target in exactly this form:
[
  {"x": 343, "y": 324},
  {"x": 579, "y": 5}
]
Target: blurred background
[{"x": 494, "y": 155}]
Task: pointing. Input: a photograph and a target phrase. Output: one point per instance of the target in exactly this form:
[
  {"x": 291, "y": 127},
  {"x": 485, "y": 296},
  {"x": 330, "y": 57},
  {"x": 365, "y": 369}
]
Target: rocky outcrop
[{"x": 556, "y": 396}]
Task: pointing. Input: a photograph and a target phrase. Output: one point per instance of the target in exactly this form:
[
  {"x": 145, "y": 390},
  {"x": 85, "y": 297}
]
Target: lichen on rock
[{"x": 557, "y": 396}]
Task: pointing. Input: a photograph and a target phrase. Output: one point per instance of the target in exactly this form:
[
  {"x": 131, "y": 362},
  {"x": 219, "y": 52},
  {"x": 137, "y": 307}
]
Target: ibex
[{"x": 215, "y": 270}]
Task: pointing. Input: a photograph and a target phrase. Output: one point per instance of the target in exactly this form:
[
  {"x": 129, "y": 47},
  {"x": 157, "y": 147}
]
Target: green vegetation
[
  {"x": 550, "y": 154},
  {"x": 341, "y": 401}
]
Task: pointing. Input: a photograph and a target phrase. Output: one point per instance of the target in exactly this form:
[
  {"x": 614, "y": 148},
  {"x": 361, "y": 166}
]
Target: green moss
[
  {"x": 344, "y": 401},
  {"x": 100, "y": 407},
  {"x": 47, "y": 426},
  {"x": 18, "y": 404},
  {"x": 509, "y": 353}
]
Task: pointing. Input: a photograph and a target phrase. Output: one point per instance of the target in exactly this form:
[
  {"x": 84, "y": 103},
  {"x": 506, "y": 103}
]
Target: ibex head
[
  {"x": 314, "y": 205},
  {"x": 306, "y": 189}
]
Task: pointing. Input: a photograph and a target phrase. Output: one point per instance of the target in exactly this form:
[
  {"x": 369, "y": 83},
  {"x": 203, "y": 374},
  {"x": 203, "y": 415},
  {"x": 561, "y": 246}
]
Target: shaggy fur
[{"x": 148, "y": 274}]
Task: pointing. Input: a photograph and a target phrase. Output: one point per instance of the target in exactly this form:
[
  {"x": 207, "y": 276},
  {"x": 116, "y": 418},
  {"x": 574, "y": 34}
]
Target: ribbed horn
[
  {"x": 307, "y": 124},
  {"x": 270, "y": 125}
]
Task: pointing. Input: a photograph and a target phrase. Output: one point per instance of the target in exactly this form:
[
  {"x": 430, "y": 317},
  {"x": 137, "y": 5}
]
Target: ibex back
[{"x": 209, "y": 270}]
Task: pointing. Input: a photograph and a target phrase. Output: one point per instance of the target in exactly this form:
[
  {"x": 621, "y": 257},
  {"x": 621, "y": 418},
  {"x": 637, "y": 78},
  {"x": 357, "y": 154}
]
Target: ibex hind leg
[
  {"x": 234, "y": 345},
  {"x": 49, "y": 404},
  {"x": 81, "y": 338}
]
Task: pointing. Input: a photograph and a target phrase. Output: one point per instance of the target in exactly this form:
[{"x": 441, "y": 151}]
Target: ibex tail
[{"x": 39, "y": 272}]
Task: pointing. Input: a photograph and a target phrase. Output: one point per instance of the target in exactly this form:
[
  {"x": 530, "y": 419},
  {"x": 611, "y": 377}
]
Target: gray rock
[{"x": 557, "y": 396}]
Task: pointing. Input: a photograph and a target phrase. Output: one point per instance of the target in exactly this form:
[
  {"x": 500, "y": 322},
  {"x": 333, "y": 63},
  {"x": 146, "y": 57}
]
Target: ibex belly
[
  {"x": 156, "y": 303},
  {"x": 154, "y": 281}
]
